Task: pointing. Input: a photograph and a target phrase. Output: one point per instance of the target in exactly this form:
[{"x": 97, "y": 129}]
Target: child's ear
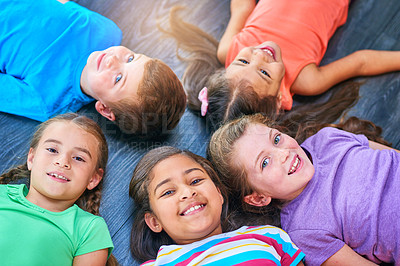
[
  {"x": 95, "y": 180},
  {"x": 152, "y": 222},
  {"x": 258, "y": 200},
  {"x": 29, "y": 160},
  {"x": 221, "y": 197},
  {"x": 104, "y": 111},
  {"x": 279, "y": 103}
]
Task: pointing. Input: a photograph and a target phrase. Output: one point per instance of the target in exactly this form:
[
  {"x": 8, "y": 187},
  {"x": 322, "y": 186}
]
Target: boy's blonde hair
[{"x": 161, "y": 103}]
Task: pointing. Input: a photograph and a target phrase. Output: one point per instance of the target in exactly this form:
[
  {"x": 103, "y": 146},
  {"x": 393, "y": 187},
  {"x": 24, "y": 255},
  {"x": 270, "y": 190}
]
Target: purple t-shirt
[{"x": 353, "y": 198}]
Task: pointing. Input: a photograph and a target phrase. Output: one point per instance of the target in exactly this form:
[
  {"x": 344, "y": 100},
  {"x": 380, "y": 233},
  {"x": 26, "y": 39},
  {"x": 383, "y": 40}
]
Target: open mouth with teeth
[
  {"x": 269, "y": 50},
  {"x": 295, "y": 165},
  {"x": 57, "y": 176},
  {"x": 192, "y": 209}
]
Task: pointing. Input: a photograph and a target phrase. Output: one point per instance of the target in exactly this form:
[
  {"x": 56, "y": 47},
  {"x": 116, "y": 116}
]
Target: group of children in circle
[{"x": 191, "y": 210}]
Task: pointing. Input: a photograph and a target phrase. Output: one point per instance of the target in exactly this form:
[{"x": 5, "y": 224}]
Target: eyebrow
[
  {"x": 259, "y": 155},
  {"x": 169, "y": 179},
  {"x": 77, "y": 148}
]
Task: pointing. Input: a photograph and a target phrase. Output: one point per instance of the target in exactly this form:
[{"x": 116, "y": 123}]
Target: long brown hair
[
  {"x": 144, "y": 242},
  {"x": 90, "y": 199},
  {"x": 230, "y": 99}
]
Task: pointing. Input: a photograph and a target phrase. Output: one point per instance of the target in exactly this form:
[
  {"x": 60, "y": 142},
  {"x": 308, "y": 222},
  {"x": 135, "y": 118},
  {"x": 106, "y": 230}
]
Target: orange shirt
[{"x": 302, "y": 29}]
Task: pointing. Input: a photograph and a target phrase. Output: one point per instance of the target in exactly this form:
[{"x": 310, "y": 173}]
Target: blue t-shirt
[
  {"x": 44, "y": 46},
  {"x": 353, "y": 198}
]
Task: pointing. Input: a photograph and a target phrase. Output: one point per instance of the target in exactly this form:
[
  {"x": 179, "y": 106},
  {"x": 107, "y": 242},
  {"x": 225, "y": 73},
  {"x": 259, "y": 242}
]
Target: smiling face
[
  {"x": 63, "y": 166},
  {"x": 262, "y": 66},
  {"x": 185, "y": 202},
  {"x": 276, "y": 166},
  {"x": 113, "y": 74}
]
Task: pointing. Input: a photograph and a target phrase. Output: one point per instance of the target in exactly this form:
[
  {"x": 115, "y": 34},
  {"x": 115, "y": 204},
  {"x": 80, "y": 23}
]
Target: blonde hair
[
  {"x": 221, "y": 152},
  {"x": 161, "y": 103}
]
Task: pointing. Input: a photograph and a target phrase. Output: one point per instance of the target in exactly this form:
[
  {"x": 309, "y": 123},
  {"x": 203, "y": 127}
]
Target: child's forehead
[
  {"x": 63, "y": 126},
  {"x": 69, "y": 132},
  {"x": 258, "y": 129},
  {"x": 174, "y": 166}
]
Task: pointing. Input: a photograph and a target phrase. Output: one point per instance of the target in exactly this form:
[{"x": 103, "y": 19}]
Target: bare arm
[
  {"x": 95, "y": 258},
  {"x": 63, "y": 1},
  {"x": 240, "y": 11},
  {"x": 347, "y": 257},
  {"x": 377, "y": 146},
  {"x": 313, "y": 80}
]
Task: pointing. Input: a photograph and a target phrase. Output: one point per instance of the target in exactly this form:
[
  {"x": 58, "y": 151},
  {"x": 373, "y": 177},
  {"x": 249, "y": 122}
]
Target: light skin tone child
[
  {"x": 112, "y": 75},
  {"x": 278, "y": 168},
  {"x": 262, "y": 65},
  {"x": 63, "y": 166}
]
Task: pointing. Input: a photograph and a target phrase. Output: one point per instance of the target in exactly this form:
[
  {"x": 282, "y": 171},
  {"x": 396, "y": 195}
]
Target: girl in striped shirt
[{"x": 181, "y": 217}]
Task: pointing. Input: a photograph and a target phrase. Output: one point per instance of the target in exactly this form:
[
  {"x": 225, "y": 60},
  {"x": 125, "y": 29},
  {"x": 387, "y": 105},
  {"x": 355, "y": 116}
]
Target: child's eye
[
  {"x": 166, "y": 193},
  {"x": 80, "y": 159},
  {"x": 244, "y": 61},
  {"x": 277, "y": 139},
  {"x": 265, "y": 73},
  {"x": 130, "y": 59},
  {"x": 265, "y": 163},
  {"x": 196, "y": 181},
  {"x": 118, "y": 78},
  {"x": 52, "y": 150}
]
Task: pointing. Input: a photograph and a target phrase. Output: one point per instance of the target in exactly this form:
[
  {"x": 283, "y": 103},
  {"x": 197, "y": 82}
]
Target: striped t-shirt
[{"x": 249, "y": 245}]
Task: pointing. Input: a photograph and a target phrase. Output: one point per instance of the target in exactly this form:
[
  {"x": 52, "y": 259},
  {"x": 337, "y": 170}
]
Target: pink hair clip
[{"x": 203, "y": 97}]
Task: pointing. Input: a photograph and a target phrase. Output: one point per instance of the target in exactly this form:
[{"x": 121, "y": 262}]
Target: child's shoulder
[
  {"x": 10, "y": 190},
  {"x": 329, "y": 136}
]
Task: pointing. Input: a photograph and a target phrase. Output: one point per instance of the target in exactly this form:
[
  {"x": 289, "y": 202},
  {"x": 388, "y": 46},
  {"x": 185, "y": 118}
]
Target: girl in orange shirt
[{"x": 271, "y": 50}]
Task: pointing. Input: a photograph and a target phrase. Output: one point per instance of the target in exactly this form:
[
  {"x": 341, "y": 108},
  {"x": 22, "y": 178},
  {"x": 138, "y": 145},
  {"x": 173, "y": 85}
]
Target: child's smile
[
  {"x": 113, "y": 74},
  {"x": 193, "y": 209},
  {"x": 185, "y": 202},
  {"x": 262, "y": 66},
  {"x": 59, "y": 177},
  {"x": 275, "y": 164},
  {"x": 63, "y": 165}
]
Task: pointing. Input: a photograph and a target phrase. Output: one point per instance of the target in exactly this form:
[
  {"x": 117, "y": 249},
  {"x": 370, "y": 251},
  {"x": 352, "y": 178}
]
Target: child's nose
[
  {"x": 283, "y": 155},
  {"x": 188, "y": 193},
  {"x": 112, "y": 61},
  {"x": 259, "y": 56},
  {"x": 62, "y": 162}
]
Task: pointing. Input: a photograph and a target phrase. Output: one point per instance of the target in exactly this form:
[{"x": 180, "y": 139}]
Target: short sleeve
[
  {"x": 333, "y": 140},
  {"x": 318, "y": 245},
  {"x": 95, "y": 238}
]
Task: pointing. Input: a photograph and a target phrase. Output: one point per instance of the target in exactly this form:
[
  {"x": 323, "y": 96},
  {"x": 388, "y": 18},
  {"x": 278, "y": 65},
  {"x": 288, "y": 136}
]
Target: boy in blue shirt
[{"x": 56, "y": 57}]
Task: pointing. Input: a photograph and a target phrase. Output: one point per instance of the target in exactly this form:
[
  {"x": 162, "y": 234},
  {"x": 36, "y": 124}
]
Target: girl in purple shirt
[{"x": 337, "y": 193}]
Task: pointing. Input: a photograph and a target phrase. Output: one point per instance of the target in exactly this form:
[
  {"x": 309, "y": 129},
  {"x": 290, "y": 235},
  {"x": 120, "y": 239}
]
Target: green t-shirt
[{"x": 31, "y": 235}]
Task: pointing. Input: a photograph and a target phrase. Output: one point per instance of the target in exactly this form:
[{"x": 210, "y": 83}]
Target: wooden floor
[{"x": 372, "y": 24}]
